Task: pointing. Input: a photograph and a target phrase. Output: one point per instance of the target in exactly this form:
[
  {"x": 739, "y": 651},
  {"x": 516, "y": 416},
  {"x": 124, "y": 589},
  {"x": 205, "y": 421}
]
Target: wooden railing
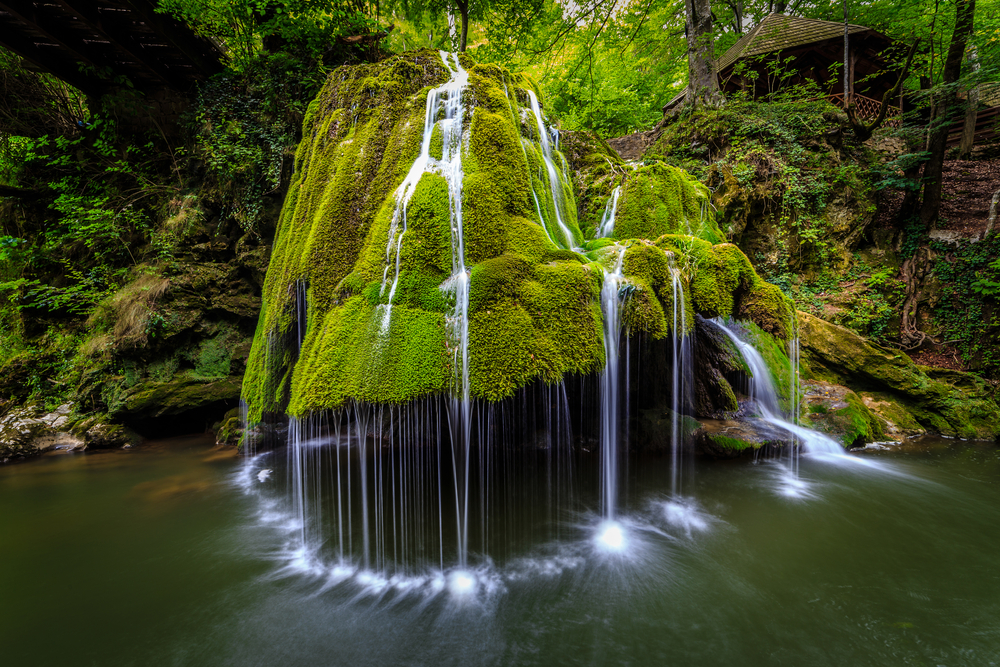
[{"x": 868, "y": 108}]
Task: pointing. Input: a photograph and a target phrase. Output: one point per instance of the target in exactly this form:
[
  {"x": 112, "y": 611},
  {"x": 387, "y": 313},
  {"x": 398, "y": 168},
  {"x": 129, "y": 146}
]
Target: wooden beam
[
  {"x": 203, "y": 54},
  {"x": 121, "y": 36},
  {"x": 44, "y": 23},
  {"x": 68, "y": 71}
]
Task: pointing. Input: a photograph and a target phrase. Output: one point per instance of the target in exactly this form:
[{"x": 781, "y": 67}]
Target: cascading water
[
  {"x": 763, "y": 393},
  {"x": 680, "y": 381},
  {"x": 449, "y": 166},
  {"x": 550, "y": 167},
  {"x": 607, "y": 226},
  {"x": 610, "y": 412}
]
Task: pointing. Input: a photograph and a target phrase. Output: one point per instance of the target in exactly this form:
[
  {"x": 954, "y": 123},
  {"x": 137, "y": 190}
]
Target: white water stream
[
  {"x": 607, "y": 226},
  {"x": 763, "y": 393},
  {"x": 610, "y": 409},
  {"x": 550, "y": 168}
]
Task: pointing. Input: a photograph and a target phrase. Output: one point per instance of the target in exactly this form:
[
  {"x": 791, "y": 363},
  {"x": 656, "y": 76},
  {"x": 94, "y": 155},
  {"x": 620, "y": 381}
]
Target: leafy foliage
[
  {"x": 246, "y": 123},
  {"x": 969, "y": 308}
]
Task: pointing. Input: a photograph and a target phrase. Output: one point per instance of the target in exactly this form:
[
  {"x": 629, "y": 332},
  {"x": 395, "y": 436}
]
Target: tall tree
[
  {"x": 944, "y": 108},
  {"x": 463, "y": 11},
  {"x": 703, "y": 81},
  {"x": 971, "y": 110}
]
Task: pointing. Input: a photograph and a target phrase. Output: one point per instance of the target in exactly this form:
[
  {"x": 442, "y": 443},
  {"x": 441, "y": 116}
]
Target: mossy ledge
[
  {"x": 323, "y": 338},
  {"x": 889, "y": 378}
]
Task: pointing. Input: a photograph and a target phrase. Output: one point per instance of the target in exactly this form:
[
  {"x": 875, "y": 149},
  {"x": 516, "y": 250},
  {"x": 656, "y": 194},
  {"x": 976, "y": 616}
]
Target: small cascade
[
  {"x": 607, "y": 226},
  {"x": 681, "y": 381},
  {"x": 550, "y": 167},
  {"x": 449, "y": 166},
  {"x": 512, "y": 105},
  {"x": 610, "y": 409},
  {"x": 764, "y": 394}
]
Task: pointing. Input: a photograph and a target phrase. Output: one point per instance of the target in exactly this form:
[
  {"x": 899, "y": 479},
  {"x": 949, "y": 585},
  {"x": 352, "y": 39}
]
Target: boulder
[{"x": 899, "y": 391}]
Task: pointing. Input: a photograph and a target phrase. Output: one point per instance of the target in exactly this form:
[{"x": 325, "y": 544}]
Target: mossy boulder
[
  {"x": 841, "y": 414},
  {"x": 839, "y": 356},
  {"x": 179, "y": 395},
  {"x": 360, "y": 298},
  {"x": 730, "y": 439}
]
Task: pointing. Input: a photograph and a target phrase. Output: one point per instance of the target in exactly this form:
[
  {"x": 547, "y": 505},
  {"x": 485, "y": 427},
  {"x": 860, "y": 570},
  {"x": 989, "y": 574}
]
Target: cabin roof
[{"x": 778, "y": 32}]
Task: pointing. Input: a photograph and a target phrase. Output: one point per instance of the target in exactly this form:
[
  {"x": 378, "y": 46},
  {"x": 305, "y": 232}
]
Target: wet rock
[
  {"x": 29, "y": 431},
  {"x": 107, "y": 436},
  {"x": 898, "y": 390},
  {"x": 184, "y": 393},
  {"x": 229, "y": 431},
  {"x": 654, "y": 427},
  {"x": 730, "y": 438},
  {"x": 715, "y": 356},
  {"x": 842, "y": 414}
]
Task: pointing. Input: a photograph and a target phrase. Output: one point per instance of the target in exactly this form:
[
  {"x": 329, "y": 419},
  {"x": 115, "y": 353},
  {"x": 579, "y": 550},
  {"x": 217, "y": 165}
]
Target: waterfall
[
  {"x": 610, "y": 411},
  {"x": 550, "y": 167},
  {"x": 449, "y": 166},
  {"x": 607, "y": 226},
  {"x": 680, "y": 380},
  {"x": 764, "y": 394}
]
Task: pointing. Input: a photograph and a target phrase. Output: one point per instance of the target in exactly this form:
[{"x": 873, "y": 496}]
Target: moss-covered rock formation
[
  {"x": 328, "y": 332},
  {"x": 905, "y": 396}
]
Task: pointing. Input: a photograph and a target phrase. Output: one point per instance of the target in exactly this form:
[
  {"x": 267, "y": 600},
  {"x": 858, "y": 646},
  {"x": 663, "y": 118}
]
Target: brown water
[{"x": 175, "y": 553}]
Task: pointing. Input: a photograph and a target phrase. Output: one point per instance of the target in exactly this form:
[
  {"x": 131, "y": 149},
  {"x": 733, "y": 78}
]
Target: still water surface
[{"x": 165, "y": 555}]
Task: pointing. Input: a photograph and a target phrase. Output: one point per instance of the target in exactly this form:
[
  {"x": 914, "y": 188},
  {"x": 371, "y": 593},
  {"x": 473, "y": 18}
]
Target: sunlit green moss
[{"x": 534, "y": 307}]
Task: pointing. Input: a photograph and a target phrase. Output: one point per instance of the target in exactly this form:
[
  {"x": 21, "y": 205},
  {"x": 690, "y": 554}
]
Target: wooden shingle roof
[{"x": 778, "y": 32}]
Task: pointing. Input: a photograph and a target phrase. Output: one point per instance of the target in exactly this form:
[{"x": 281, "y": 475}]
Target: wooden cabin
[{"x": 782, "y": 51}]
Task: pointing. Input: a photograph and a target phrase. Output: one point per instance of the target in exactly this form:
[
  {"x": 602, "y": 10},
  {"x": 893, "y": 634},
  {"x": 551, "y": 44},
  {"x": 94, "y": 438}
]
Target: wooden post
[{"x": 847, "y": 99}]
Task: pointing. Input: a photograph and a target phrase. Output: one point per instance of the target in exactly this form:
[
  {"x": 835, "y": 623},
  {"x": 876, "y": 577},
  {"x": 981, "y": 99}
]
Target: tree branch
[{"x": 864, "y": 132}]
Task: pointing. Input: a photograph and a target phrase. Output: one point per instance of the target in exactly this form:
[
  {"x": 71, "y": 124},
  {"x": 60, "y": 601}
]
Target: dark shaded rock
[
  {"x": 715, "y": 356},
  {"x": 108, "y": 436},
  {"x": 654, "y": 427},
  {"x": 730, "y": 439}
]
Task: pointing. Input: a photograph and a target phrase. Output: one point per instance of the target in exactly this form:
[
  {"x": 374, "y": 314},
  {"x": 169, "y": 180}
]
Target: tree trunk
[
  {"x": 703, "y": 83},
  {"x": 463, "y": 10},
  {"x": 943, "y": 108},
  {"x": 971, "y": 112},
  {"x": 994, "y": 205}
]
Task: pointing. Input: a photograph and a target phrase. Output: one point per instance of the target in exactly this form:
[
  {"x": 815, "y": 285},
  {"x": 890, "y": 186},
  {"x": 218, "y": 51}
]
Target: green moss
[
  {"x": 437, "y": 143},
  {"x": 659, "y": 199},
  {"x": 176, "y": 396},
  {"x": 214, "y": 358},
  {"x": 496, "y": 280},
  {"x": 534, "y": 307},
  {"x": 732, "y": 443},
  {"x": 349, "y": 357},
  {"x": 853, "y": 424}
]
